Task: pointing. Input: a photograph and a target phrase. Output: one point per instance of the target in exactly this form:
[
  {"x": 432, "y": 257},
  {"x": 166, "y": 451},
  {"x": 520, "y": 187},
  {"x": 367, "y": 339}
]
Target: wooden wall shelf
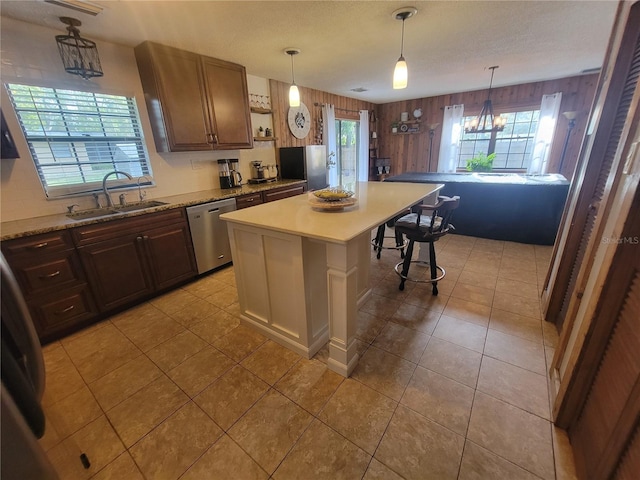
[
  {"x": 264, "y": 139},
  {"x": 260, "y": 110}
]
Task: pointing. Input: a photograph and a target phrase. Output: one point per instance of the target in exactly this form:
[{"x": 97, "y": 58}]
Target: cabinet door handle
[
  {"x": 50, "y": 275},
  {"x": 39, "y": 245},
  {"x": 209, "y": 137},
  {"x": 145, "y": 238},
  {"x": 65, "y": 310},
  {"x": 215, "y": 138}
]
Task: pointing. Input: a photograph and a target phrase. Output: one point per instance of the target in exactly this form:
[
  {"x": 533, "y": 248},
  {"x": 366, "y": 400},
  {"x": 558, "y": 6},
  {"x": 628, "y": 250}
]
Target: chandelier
[
  {"x": 79, "y": 55},
  {"x": 486, "y": 121}
]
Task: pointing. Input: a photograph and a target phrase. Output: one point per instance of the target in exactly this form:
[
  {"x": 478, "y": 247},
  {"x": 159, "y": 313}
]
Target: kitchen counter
[
  {"x": 302, "y": 273},
  {"x": 50, "y": 223}
]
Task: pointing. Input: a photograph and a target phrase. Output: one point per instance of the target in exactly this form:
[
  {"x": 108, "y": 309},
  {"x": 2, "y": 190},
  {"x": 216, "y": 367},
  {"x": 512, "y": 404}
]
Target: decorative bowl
[{"x": 332, "y": 194}]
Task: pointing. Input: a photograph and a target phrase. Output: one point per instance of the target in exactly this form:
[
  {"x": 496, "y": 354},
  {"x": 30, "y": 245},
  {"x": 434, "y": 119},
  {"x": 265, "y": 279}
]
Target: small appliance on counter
[
  {"x": 228, "y": 171},
  {"x": 263, "y": 173}
]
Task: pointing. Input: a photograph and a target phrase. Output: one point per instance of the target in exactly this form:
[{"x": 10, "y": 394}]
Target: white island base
[{"x": 302, "y": 273}]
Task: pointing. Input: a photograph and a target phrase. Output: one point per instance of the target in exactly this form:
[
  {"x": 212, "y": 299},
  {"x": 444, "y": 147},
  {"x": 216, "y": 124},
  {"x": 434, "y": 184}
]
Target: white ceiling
[{"x": 350, "y": 44}]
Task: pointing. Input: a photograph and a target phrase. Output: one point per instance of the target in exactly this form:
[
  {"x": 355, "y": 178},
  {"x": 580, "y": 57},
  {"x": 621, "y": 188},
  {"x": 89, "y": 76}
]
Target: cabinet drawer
[
  {"x": 55, "y": 314},
  {"x": 38, "y": 244},
  {"x": 280, "y": 193},
  {"x": 245, "y": 201},
  {"x": 50, "y": 272}
]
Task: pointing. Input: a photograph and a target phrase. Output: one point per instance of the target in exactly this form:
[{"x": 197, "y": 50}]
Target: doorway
[{"x": 347, "y": 145}]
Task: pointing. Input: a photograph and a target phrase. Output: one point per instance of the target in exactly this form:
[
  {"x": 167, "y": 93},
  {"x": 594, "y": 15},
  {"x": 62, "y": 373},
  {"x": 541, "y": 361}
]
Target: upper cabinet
[{"x": 194, "y": 102}]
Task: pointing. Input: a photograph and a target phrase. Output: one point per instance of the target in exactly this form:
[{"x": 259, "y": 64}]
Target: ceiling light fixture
[
  {"x": 79, "y": 55},
  {"x": 294, "y": 93},
  {"x": 400, "y": 73},
  {"x": 486, "y": 121}
]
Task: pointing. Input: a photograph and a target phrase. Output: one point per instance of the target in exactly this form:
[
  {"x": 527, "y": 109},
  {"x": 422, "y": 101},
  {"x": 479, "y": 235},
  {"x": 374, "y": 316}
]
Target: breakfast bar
[{"x": 302, "y": 271}]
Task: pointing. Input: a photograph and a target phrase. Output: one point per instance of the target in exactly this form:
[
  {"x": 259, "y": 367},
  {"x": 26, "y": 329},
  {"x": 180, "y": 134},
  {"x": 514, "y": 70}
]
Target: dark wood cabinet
[
  {"x": 244, "y": 201},
  {"x": 283, "y": 192},
  {"x": 132, "y": 258},
  {"x": 194, "y": 102},
  {"x": 50, "y": 275}
]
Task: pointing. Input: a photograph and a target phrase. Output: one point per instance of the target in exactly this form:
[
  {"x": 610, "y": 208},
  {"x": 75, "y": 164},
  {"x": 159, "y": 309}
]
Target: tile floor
[{"x": 451, "y": 386}]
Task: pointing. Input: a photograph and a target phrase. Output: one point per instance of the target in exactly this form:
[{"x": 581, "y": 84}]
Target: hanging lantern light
[
  {"x": 294, "y": 93},
  {"x": 401, "y": 73},
  {"x": 79, "y": 55}
]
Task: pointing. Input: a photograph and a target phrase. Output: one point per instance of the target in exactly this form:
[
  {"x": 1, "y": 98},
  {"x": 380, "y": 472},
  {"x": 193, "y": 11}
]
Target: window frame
[{"x": 137, "y": 140}]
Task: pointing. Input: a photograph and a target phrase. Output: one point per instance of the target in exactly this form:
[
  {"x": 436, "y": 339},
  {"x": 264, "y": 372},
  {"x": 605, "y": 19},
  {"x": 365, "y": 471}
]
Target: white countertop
[{"x": 377, "y": 202}]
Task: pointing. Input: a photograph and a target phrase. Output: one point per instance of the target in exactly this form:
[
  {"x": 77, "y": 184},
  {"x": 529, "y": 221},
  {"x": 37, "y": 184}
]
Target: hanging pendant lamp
[
  {"x": 79, "y": 55},
  {"x": 401, "y": 73},
  {"x": 486, "y": 121},
  {"x": 294, "y": 93}
]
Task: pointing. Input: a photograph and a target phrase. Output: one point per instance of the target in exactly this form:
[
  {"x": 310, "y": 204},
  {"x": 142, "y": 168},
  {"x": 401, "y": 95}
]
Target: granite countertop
[
  {"x": 480, "y": 178},
  {"x": 50, "y": 223}
]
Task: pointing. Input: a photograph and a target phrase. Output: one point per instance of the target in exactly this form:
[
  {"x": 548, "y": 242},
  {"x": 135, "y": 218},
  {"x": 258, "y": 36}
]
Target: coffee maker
[{"x": 229, "y": 175}]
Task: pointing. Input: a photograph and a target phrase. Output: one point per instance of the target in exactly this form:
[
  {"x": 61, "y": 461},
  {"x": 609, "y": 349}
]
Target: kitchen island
[{"x": 303, "y": 272}]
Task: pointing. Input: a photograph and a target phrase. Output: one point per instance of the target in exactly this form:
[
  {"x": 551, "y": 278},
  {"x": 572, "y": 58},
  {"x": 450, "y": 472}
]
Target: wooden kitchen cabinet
[
  {"x": 278, "y": 193},
  {"x": 50, "y": 275},
  {"x": 194, "y": 102},
  {"x": 244, "y": 201},
  {"x": 132, "y": 258}
]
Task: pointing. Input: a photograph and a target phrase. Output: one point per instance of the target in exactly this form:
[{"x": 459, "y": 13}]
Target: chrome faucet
[{"x": 104, "y": 185}]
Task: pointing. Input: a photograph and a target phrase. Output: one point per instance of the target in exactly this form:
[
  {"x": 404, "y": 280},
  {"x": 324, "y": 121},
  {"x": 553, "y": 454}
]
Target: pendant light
[
  {"x": 294, "y": 93},
  {"x": 400, "y": 73},
  {"x": 79, "y": 55},
  {"x": 486, "y": 121}
]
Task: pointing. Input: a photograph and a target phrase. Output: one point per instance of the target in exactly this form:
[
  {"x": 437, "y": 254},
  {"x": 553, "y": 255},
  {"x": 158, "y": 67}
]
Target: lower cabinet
[
  {"x": 132, "y": 258},
  {"x": 278, "y": 193}
]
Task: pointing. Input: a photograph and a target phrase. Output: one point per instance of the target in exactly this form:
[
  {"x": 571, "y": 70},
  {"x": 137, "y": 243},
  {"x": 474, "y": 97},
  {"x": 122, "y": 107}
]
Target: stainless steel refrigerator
[{"x": 305, "y": 163}]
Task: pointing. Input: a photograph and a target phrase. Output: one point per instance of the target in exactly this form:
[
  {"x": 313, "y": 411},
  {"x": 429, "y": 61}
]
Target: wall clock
[{"x": 299, "y": 120}]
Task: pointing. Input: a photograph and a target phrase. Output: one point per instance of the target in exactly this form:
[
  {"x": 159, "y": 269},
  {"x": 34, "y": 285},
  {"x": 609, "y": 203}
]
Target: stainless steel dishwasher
[{"x": 209, "y": 233}]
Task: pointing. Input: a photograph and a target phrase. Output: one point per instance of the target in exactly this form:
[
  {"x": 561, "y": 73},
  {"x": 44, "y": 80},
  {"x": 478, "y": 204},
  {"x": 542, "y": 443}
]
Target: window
[
  {"x": 512, "y": 146},
  {"x": 75, "y": 138},
  {"x": 347, "y": 142}
]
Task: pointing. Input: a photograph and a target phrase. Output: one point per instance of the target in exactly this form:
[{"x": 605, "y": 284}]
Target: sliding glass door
[{"x": 347, "y": 142}]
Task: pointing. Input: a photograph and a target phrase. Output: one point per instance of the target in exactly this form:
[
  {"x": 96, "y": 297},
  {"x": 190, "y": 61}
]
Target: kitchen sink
[{"x": 113, "y": 211}]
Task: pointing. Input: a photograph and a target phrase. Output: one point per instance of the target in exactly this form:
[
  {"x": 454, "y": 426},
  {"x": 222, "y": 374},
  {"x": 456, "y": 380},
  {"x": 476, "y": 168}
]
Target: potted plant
[{"x": 481, "y": 163}]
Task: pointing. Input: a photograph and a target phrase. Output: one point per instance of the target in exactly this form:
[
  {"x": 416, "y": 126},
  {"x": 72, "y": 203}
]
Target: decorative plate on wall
[{"x": 299, "y": 120}]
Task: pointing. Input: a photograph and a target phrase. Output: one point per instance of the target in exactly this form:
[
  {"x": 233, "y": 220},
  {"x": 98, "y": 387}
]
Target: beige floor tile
[
  {"x": 529, "y": 307},
  {"x": 379, "y": 471},
  {"x": 240, "y": 342},
  {"x": 121, "y": 468},
  {"x": 198, "y": 372},
  {"x": 147, "y": 408},
  {"x": 224, "y": 297},
  {"x": 380, "y": 306},
  {"x": 229, "y": 397},
  {"x": 518, "y": 274},
  {"x": 416, "y": 318},
  {"x": 225, "y": 460},
  {"x": 205, "y": 286},
  {"x": 310, "y": 384},
  {"x": 514, "y": 287},
  {"x": 421, "y": 296},
  {"x": 468, "y": 311},
  {"x": 81, "y": 333},
  {"x": 101, "y": 351},
  {"x": 322, "y": 454},
  {"x": 550, "y": 334},
  {"x": 482, "y": 265},
  {"x": 403, "y": 342},
  {"x": 358, "y": 413},
  {"x": 124, "y": 381},
  {"x": 477, "y": 279},
  {"x": 173, "y": 446},
  {"x": 194, "y": 312},
  {"x": 63, "y": 378},
  {"x": 97, "y": 441},
  {"x": 515, "y": 249},
  {"x": 465, "y": 334},
  {"x": 451, "y": 258},
  {"x": 388, "y": 287},
  {"x": 512, "y": 433},
  {"x": 527, "y": 264},
  {"x": 270, "y": 428},
  {"x": 516, "y": 351},
  {"x": 563, "y": 455},
  {"x": 420, "y": 449},
  {"x": 173, "y": 301},
  {"x": 270, "y": 361},
  {"x": 176, "y": 350},
  {"x": 440, "y": 399},
  {"x": 452, "y": 361},
  {"x": 521, "y": 326},
  {"x": 473, "y": 294},
  {"x": 384, "y": 372},
  {"x": 480, "y": 464},
  {"x": 485, "y": 246},
  {"x": 72, "y": 412},
  {"x": 50, "y": 438},
  {"x": 215, "y": 326},
  {"x": 233, "y": 309},
  {"x": 517, "y": 386},
  {"x": 147, "y": 326},
  {"x": 369, "y": 326}
]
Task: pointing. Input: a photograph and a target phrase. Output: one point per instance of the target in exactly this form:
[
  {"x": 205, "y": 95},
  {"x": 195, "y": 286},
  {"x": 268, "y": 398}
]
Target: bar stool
[
  {"x": 378, "y": 242},
  {"x": 424, "y": 228}
]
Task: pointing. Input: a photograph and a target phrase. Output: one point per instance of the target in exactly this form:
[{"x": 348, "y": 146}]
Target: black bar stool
[
  {"x": 424, "y": 228},
  {"x": 378, "y": 242}
]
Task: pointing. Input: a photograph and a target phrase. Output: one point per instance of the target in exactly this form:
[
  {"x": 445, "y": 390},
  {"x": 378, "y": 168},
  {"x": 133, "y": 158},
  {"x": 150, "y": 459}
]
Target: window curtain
[
  {"x": 363, "y": 147},
  {"x": 450, "y": 141},
  {"x": 329, "y": 140},
  {"x": 547, "y": 121}
]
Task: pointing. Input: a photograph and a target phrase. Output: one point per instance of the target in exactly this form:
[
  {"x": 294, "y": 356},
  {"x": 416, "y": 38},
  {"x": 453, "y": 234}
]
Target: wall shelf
[
  {"x": 260, "y": 110},
  {"x": 264, "y": 139}
]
